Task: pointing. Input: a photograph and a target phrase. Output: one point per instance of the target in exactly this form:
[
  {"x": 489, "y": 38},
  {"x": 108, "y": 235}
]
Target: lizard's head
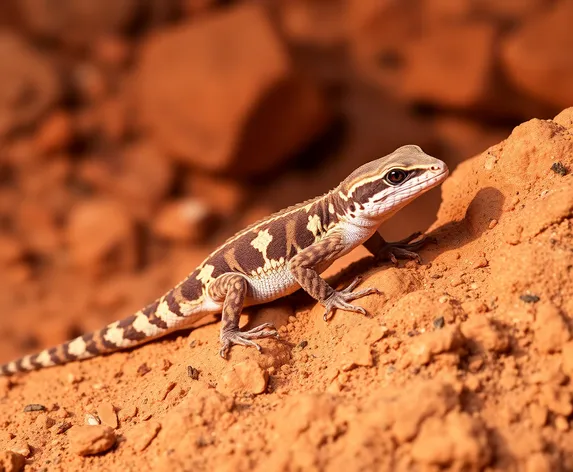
[{"x": 376, "y": 190}]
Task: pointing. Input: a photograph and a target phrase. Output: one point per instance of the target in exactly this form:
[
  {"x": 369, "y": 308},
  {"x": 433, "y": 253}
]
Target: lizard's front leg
[
  {"x": 231, "y": 289},
  {"x": 403, "y": 249},
  {"x": 304, "y": 265}
]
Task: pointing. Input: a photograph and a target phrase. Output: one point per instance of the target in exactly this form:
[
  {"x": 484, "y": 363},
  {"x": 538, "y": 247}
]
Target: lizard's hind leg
[{"x": 231, "y": 289}]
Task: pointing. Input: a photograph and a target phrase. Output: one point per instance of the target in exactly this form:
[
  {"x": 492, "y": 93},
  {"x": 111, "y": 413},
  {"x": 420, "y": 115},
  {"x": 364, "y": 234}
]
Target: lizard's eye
[{"x": 396, "y": 176}]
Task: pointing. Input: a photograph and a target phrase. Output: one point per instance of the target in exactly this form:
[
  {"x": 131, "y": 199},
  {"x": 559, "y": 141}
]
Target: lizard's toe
[
  {"x": 340, "y": 299},
  {"x": 245, "y": 338}
]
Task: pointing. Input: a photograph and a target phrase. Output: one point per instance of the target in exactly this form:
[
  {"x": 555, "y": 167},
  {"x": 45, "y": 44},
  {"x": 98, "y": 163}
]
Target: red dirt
[
  {"x": 464, "y": 362},
  {"x": 132, "y": 142}
]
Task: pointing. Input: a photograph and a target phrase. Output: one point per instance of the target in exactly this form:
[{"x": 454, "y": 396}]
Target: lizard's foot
[
  {"x": 245, "y": 338},
  {"x": 340, "y": 299},
  {"x": 405, "y": 248}
]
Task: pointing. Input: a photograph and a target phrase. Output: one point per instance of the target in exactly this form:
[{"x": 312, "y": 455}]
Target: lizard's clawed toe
[
  {"x": 339, "y": 299},
  {"x": 245, "y": 338},
  {"x": 405, "y": 248}
]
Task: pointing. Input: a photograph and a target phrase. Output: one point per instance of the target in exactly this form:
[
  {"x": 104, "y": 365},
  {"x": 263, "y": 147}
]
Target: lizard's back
[{"x": 261, "y": 251}]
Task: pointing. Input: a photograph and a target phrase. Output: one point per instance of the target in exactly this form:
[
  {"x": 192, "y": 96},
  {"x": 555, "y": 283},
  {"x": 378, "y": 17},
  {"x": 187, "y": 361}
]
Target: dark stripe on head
[
  {"x": 364, "y": 192},
  {"x": 173, "y": 304}
]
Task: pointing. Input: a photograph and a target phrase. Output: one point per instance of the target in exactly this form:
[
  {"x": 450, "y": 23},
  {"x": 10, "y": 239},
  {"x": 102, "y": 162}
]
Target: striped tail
[{"x": 167, "y": 314}]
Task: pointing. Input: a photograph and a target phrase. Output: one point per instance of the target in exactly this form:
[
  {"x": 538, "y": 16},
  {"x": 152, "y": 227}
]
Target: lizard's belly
[
  {"x": 271, "y": 286},
  {"x": 275, "y": 284}
]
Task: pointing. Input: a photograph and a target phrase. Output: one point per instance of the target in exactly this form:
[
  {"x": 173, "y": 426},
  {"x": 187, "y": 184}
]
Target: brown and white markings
[{"x": 273, "y": 258}]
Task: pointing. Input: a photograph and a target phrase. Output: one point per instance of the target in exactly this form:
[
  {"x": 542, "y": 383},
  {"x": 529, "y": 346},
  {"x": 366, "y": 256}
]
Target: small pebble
[
  {"x": 529, "y": 298},
  {"x": 302, "y": 344},
  {"x": 559, "y": 169},
  {"x": 62, "y": 427},
  {"x": 90, "y": 440},
  {"x": 20, "y": 447},
  {"x": 34, "y": 407},
  {"x": 192, "y": 372},
  {"x": 165, "y": 391},
  {"x": 140, "y": 436},
  {"x": 561, "y": 423},
  {"x": 44, "y": 421},
  {"x": 246, "y": 377},
  {"x": 439, "y": 322},
  {"x": 492, "y": 224},
  {"x": 166, "y": 365},
  {"x": 91, "y": 420},
  {"x": 107, "y": 415},
  {"x": 11, "y": 461},
  {"x": 127, "y": 412},
  {"x": 143, "y": 369}
]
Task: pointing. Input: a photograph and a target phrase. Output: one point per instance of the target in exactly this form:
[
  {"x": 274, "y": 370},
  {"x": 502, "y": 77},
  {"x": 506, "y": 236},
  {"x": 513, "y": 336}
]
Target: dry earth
[{"x": 465, "y": 362}]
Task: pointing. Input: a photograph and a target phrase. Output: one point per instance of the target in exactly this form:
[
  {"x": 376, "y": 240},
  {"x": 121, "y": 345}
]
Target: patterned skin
[{"x": 273, "y": 258}]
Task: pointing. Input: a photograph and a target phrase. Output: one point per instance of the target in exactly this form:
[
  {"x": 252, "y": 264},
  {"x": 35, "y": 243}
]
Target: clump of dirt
[{"x": 464, "y": 362}]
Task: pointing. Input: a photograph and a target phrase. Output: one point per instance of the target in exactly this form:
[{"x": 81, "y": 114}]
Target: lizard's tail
[{"x": 157, "y": 319}]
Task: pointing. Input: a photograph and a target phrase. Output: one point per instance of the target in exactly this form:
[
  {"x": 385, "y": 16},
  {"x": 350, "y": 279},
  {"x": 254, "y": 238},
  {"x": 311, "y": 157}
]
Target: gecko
[{"x": 273, "y": 258}]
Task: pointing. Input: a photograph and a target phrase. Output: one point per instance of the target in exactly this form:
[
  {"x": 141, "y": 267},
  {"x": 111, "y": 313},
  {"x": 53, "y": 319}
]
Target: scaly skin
[{"x": 273, "y": 258}]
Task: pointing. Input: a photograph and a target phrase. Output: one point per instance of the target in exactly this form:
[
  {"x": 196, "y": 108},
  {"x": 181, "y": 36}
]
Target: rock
[
  {"x": 11, "y": 461},
  {"x": 29, "y": 83},
  {"x": 182, "y": 220},
  {"x": 11, "y": 250},
  {"x": 55, "y": 133},
  {"x": 112, "y": 51},
  {"x": 457, "y": 441},
  {"x": 107, "y": 415},
  {"x": 127, "y": 412},
  {"x": 143, "y": 180},
  {"x": 565, "y": 118},
  {"x": 510, "y": 10},
  {"x": 90, "y": 440},
  {"x": 100, "y": 235},
  {"x": 550, "y": 330},
  {"x": 38, "y": 228},
  {"x": 485, "y": 335},
  {"x": 77, "y": 21},
  {"x": 428, "y": 345},
  {"x": 21, "y": 447},
  {"x": 378, "y": 33},
  {"x": 139, "y": 437},
  {"x": 320, "y": 23},
  {"x": 250, "y": 111},
  {"x": 567, "y": 354},
  {"x": 557, "y": 399},
  {"x": 437, "y": 61},
  {"x": 223, "y": 196},
  {"x": 533, "y": 58},
  {"x": 246, "y": 376},
  {"x": 360, "y": 355}
]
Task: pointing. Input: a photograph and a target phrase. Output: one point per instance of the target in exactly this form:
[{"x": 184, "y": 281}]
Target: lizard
[{"x": 273, "y": 258}]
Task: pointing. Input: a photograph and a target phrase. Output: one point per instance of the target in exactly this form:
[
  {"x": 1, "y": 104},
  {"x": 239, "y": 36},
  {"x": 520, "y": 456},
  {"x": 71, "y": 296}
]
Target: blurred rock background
[{"x": 136, "y": 135}]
